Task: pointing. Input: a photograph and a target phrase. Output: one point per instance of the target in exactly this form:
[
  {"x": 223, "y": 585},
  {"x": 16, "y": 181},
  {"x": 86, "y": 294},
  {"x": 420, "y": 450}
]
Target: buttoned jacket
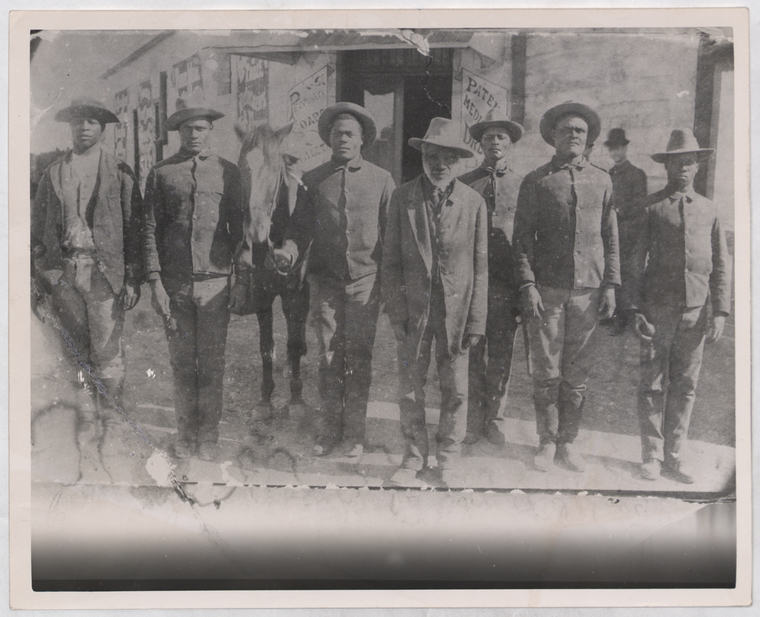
[
  {"x": 341, "y": 214},
  {"x": 117, "y": 211},
  {"x": 462, "y": 257},
  {"x": 565, "y": 232},
  {"x": 193, "y": 221},
  {"x": 681, "y": 258},
  {"x": 501, "y": 218}
]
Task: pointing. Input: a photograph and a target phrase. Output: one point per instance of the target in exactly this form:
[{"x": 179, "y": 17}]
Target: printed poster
[
  {"x": 146, "y": 133},
  {"x": 250, "y": 78},
  {"x": 121, "y": 130},
  {"x": 479, "y": 96},
  {"x": 308, "y": 99}
]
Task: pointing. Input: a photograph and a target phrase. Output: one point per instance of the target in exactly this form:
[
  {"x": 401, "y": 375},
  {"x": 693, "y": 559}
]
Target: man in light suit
[{"x": 435, "y": 286}]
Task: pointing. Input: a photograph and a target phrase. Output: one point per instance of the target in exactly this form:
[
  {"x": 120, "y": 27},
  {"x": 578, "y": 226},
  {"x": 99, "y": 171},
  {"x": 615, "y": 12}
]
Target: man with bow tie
[
  {"x": 565, "y": 244},
  {"x": 499, "y": 186},
  {"x": 435, "y": 287},
  {"x": 680, "y": 291},
  {"x": 193, "y": 228}
]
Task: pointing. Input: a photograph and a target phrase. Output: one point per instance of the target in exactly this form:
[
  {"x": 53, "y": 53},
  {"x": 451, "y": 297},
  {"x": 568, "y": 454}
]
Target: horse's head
[{"x": 261, "y": 167}]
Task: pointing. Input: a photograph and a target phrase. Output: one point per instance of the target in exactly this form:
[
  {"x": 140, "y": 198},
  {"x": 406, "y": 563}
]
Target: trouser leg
[
  {"x": 685, "y": 364},
  {"x": 477, "y": 387},
  {"x": 362, "y": 306},
  {"x": 581, "y": 317},
  {"x": 211, "y": 298},
  {"x": 452, "y": 374},
  {"x": 413, "y": 365}
]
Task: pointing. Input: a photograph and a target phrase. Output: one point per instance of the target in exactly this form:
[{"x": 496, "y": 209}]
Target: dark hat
[
  {"x": 87, "y": 108},
  {"x": 362, "y": 116},
  {"x": 187, "y": 111},
  {"x": 546, "y": 127},
  {"x": 616, "y": 138},
  {"x": 682, "y": 141},
  {"x": 497, "y": 119},
  {"x": 444, "y": 133}
]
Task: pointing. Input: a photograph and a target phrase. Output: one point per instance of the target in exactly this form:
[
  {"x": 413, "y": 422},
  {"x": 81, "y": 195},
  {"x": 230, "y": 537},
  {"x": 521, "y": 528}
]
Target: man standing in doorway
[
  {"x": 193, "y": 228},
  {"x": 85, "y": 240},
  {"x": 342, "y": 216},
  {"x": 629, "y": 188},
  {"x": 435, "y": 286},
  {"x": 680, "y": 270},
  {"x": 499, "y": 186},
  {"x": 567, "y": 266}
]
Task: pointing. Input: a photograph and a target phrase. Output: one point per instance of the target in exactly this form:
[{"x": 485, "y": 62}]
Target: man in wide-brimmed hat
[
  {"x": 193, "y": 227},
  {"x": 680, "y": 289},
  {"x": 499, "y": 186},
  {"x": 629, "y": 188},
  {"x": 86, "y": 245},
  {"x": 341, "y": 215},
  {"x": 435, "y": 286},
  {"x": 567, "y": 267}
]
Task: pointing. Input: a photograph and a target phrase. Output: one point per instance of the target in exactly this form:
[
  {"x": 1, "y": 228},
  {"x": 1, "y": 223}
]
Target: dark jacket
[
  {"x": 688, "y": 259},
  {"x": 566, "y": 228},
  {"x": 501, "y": 219},
  {"x": 115, "y": 223},
  {"x": 343, "y": 224},
  {"x": 193, "y": 216},
  {"x": 629, "y": 188},
  {"x": 462, "y": 261}
]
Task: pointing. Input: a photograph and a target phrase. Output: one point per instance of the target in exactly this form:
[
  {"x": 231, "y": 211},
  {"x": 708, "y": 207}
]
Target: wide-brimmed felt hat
[
  {"x": 87, "y": 108},
  {"x": 187, "y": 110},
  {"x": 443, "y": 133},
  {"x": 616, "y": 138},
  {"x": 549, "y": 119},
  {"x": 363, "y": 117},
  {"x": 682, "y": 141},
  {"x": 497, "y": 119}
]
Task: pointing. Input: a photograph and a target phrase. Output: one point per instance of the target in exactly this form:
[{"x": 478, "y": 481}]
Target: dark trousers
[
  {"x": 345, "y": 315},
  {"x": 669, "y": 366},
  {"x": 452, "y": 374},
  {"x": 563, "y": 355},
  {"x": 489, "y": 379},
  {"x": 196, "y": 348}
]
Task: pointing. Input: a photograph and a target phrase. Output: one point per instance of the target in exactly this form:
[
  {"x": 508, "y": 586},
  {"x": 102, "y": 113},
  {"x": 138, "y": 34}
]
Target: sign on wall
[
  {"x": 186, "y": 82},
  {"x": 308, "y": 99},
  {"x": 479, "y": 96},
  {"x": 250, "y": 79},
  {"x": 146, "y": 133},
  {"x": 121, "y": 130}
]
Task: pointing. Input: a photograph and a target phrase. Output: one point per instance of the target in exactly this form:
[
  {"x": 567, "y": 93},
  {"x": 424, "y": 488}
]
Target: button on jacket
[
  {"x": 565, "y": 227},
  {"x": 343, "y": 212},
  {"x": 501, "y": 202},
  {"x": 688, "y": 256},
  {"x": 629, "y": 186},
  {"x": 193, "y": 216}
]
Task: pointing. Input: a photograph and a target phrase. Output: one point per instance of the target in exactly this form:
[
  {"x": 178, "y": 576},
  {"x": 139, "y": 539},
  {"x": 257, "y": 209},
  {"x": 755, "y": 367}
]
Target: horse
[{"x": 270, "y": 187}]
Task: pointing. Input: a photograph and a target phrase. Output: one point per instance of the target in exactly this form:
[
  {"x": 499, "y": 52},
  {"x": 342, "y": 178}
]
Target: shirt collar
[
  {"x": 578, "y": 162},
  {"x": 500, "y": 168},
  {"x": 354, "y": 164},
  {"x": 620, "y": 166},
  {"x": 430, "y": 188},
  {"x": 688, "y": 196},
  {"x": 186, "y": 155}
]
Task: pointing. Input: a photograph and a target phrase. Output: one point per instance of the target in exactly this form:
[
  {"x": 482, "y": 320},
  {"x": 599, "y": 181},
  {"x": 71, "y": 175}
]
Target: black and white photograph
[{"x": 346, "y": 310}]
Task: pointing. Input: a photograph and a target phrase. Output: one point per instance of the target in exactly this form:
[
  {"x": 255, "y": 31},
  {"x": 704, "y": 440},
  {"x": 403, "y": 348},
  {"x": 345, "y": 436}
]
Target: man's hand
[
  {"x": 470, "y": 341},
  {"x": 715, "y": 331},
  {"x": 607, "y": 305},
  {"x": 238, "y": 296},
  {"x": 399, "y": 330},
  {"x": 282, "y": 259},
  {"x": 160, "y": 299},
  {"x": 130, "y": 294},
  {"x": 531, "y": 305},
  {"x": 644, "y": 330}
]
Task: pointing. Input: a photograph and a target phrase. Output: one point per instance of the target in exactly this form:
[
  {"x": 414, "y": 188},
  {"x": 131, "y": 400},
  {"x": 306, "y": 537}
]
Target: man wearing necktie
[
  {"x": 193, "y": 228},
  {"x": 565, "y": 245},
  {"x": 435, "y": 287},
  {"x": 499, "y": 186},
  {"x": 680, "y": 291},
  {"x": 341, "y": 216}
]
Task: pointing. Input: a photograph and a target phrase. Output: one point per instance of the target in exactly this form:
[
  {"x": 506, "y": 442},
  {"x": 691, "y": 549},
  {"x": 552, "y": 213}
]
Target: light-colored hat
[
  {"x": 444, "y": 133},
  {"x": 546, "y": 127},
  {"x": 362, "y": 116},
  {"x": 497, "y": 119},
  {"x": 87, "y": 108},
  {"x": 187, "y": 110},
  {"x": 682, "y": 141}
]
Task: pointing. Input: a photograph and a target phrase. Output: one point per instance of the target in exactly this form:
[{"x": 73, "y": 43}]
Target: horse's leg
[
  {"x": 295, "y": 304},
  {"x": 266, "y": 346}
]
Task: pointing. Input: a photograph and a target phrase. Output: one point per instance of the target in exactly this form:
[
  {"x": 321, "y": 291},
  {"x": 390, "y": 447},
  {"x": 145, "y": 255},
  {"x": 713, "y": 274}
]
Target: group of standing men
[{"x": 458, "y": 260}]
